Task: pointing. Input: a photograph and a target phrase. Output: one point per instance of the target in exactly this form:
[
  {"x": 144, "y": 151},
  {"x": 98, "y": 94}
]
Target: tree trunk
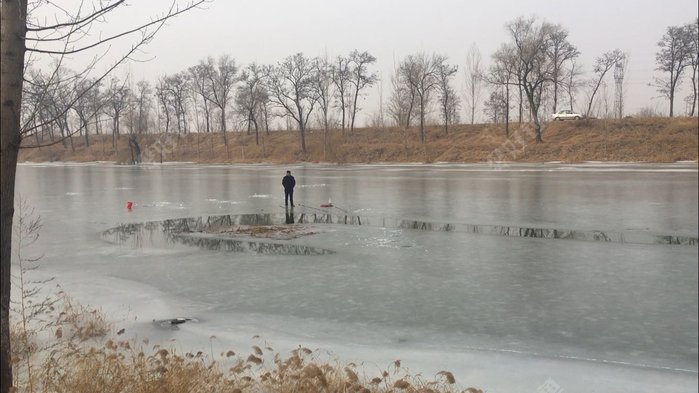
[
  {"x": 446, "y": 114},
  {"x": 206, "y": 114},
  {"x": 135, "y": 149},
  {"x": 87, "y": 140},
  {"x": 223, "y": 127},
  {"x": 507, "y": 111},
  {"x": 521, "y": 103},
  {"x": 537, "y": 128},
  {"x": 694, "y": 94},
  {"x": 303, "y": 137},
  {"x": 354, "y": 109},
  {"x": 594, "y": 92},
  {"x": 257, "y": 133},
  {"x": 446, "y": 120},
  {"x": 12, "y": 33},
  {"x": 672, "y": 96},
  {"x": 325, "y": 136},
  {"x": 422, "y": 119},
  {"x": 342, "y": 106},
  {"x": 534, "y": 111}
]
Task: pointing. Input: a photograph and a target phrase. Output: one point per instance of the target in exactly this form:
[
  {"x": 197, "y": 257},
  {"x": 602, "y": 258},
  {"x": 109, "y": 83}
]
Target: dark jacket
[{"x": 288, "y": 182}]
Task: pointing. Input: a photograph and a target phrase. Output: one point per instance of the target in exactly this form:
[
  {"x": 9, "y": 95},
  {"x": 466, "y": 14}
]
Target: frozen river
[{"x": 583, "y": 277}]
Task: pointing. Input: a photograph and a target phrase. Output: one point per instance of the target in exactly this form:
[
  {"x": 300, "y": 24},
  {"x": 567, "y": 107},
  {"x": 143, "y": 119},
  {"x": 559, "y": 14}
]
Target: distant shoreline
[{"x": 651, "y": 141}]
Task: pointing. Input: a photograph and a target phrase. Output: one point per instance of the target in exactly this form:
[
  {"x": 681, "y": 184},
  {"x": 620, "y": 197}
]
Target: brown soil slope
[{"x": 647, "y": 140}]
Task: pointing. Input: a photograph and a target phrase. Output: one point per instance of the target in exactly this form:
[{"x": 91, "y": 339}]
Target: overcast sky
[{"x": 266, "y": 31}]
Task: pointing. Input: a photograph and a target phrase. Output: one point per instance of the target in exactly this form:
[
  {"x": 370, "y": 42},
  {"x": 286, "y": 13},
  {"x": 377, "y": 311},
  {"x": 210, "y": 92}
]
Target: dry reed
[{"x": 82, "y": 364}]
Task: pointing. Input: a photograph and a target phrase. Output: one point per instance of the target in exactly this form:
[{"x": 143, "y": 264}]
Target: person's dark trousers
[{"x": 289, "y": 197}]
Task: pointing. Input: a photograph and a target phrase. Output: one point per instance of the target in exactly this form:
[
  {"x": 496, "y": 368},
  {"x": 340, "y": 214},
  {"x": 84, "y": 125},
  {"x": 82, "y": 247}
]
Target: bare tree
[
  {"x": 693, "y": 35},
  {"x": 560, "y": 52},
  {"x": 504, "y": 74},
  {"x": 84, "y": 106},
  {"x": 97, "y": 105},
  {"x": 402, "y": 100},
  {"x": 143, "y": 99},
  {"x": 176, "y": 87},
  {"x": 118, "y": 95},
  {"x": 250, "y": 95},
  {"x": 322, "y": 84},
  {"x": 530, "y": 42},
  {"x": 474, "y": 81},
  {"x": 20, "y": 34},
  {"x": 572, "y": 82},
  {"x": 341, "y": 75},
  {"x": 223, "y": 80},
  {"x": 265, "y": 110},
  {"x": 496, "y": 106},
  {"x": 602, "y": 66},
  {"x": 360, "y": 78},
  {"x": 163, "y": 95},
  {"x": 200, "y": 77},
  {"x": 51, "y": 94},
  {"x": 420, "y": 72},
  {"x": 674, "y": 56},
  {"x": 448, "y": 99},
  {"x": 291, "y": 84}
]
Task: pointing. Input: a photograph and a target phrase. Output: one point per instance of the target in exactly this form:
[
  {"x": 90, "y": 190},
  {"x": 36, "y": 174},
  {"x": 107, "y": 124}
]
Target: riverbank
[{"x": 658, "y": 140}]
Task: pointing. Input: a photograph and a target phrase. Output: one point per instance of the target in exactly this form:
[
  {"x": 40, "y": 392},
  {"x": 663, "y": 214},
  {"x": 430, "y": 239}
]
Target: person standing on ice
[{"x": 288, "y": 182}]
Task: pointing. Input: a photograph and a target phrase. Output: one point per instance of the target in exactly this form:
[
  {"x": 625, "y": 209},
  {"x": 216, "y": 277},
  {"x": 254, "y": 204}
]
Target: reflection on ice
[
  {"x": 183, "y": 231},
  {"x": 500, "y": 230},
  {"x": 189, "y": 232}
]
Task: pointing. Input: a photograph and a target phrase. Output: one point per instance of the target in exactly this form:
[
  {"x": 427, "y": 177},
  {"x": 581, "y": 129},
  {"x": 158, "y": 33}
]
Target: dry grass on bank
[
  {"x": 646, "y": 140},
  {"x": 79, "y": 352}
]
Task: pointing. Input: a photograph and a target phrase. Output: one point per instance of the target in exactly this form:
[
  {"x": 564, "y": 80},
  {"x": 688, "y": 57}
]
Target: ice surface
[{"x": 503, "y": 313}]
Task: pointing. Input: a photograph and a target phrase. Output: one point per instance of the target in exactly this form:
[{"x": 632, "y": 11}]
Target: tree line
[{"x": 538, "y": 67}]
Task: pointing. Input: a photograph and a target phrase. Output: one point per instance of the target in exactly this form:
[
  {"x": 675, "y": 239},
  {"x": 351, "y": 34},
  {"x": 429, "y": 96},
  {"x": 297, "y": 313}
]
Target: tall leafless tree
[
  {"x": 291, "y": 89},
  {"x": 360, "y": 78},
  {"x": 674, "y": 56},
  {"x": 84, "y": 106},
  {"x": 530, "y": 43},
  {"x": 572, "y": 82},
  {"x": 402, "y": 100},
  {"x": 249, "y": 97},
  {"x": 323, "y": 86},
  {"x": 560, "y": 52},
  {"x": 474, "y": 81},
  {"x": 118, "y": 95},
  {"x": 693, "y": 35},
  {"x": 503, "y": 73},
  {"x": 223, "y": 81},
  {"x": 420, "y": 72},
  {"x": 176, "y": 87},
  {"x": 164, "y": 98},
  {"x": 446, "y": 95},
  {"x": 341, "y": 76},
  {"x": 601, "y": 67},
  {"x": 496, "y": 105},
  {"x": 143, "y": 99},
  {"x": 200, "y": 77}
]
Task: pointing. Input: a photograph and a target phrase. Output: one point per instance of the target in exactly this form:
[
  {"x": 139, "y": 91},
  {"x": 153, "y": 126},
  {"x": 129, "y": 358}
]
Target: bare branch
[{"x": 174, "y": 11}]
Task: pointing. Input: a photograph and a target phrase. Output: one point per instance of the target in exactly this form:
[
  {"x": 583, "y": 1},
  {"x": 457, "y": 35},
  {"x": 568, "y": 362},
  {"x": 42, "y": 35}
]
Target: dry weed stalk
[{"x": 31, "y": 312}]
